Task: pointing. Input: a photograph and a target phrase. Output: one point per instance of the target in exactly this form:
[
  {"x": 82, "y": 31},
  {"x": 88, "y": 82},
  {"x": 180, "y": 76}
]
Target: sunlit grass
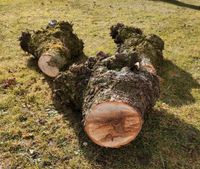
[{"x": 35, "y": 133}]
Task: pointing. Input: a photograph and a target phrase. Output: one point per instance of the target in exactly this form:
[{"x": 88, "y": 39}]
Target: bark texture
[
  {"x": 56, "y": 46},
  {"x": 113, "y": 92},
  {"x": 130, "y": 39},
  {"x": 138, "y": 89}
]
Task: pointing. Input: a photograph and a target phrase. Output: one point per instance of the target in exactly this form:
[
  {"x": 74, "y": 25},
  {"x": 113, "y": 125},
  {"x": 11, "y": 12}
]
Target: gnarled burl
[{"x": 113, "y": 91}]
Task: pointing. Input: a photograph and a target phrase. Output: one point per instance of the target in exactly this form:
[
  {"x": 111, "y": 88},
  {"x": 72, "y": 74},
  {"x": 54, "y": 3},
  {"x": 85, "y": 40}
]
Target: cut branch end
[{"x": 113, "y": 124}]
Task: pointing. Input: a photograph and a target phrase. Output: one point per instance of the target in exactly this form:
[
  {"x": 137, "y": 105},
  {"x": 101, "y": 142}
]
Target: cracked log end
[{"x": 113, "y": 124}]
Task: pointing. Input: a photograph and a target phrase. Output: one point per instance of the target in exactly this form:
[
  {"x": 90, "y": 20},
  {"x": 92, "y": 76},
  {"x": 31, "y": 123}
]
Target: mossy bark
[
  {"x": 57, "y": 43},
  {"x": 132, "y": 40},
  {"x": 129, "y": 76},
  {"x": 138, "y": 89}
]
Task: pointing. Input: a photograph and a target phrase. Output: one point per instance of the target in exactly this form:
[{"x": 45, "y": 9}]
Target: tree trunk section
[
  {"x": 50, "y": 63},
  {"x": 55, "y": 47},
  {"x": 113, "y": 92},
  {"x": 115, "y": 103}
]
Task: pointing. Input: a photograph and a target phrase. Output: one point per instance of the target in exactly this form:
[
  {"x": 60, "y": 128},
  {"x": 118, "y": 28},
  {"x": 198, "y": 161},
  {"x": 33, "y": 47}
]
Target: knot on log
[{"x": 113, "y": 91}]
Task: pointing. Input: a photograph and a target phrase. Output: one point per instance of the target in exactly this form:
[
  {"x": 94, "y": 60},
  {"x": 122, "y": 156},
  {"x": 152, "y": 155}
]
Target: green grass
[{"x": 36, "y": 133}]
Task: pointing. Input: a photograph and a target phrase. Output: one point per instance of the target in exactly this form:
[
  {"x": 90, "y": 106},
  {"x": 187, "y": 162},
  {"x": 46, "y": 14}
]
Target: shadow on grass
[
  {"x": 32, "y": 64},
  {"x": 164, "y": 142},
  {"x": 181, "y": 4},
  {"x": 176, "y": 85}
]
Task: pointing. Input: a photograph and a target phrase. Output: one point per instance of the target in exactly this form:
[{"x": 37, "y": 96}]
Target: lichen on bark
[
  {"x": 137, "y": 55},
  {"x": 132, "y": 40},
  {"x": 127, "y": 77},
  {"x": 57, "y": 39}
]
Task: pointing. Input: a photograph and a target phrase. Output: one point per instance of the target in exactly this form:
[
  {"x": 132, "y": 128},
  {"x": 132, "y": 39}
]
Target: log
[
  {"x": 115, "y": 103},
  {"x": 131, "y": 39},
  {"x": 114, "y": 92},
  {"x": 118, "y": 93},
  {"x": 54, "y": 47}
]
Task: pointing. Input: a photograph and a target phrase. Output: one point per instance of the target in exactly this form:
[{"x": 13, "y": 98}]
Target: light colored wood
[
  {"x": 47, "y": 66},
  {"x": 113, "y": 124}
]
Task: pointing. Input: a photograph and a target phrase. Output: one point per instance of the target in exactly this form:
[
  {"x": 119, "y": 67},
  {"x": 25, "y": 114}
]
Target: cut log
[
  {"x": 113, "y": 92},
  {"x": 51, "y": 65},
  {"x": 113, "y": 124},
  {"x": 115, "y": 103},
  {"x": 119, "y": 93},
  {"x": 55, "y": 47}
]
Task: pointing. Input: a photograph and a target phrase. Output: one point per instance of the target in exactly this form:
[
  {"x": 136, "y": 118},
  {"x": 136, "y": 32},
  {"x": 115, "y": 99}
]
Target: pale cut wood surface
[{"x": 113, "y": 124}]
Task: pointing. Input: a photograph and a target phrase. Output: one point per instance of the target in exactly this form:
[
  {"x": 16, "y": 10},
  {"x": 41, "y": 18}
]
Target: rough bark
[
  {"x": 70, "y": 85},
  {"x": 113, "y": 92},
  {"x": 115, "y": 102},
  {"x": 130, "y": 39},
  {"x": 55, "y": 47}
]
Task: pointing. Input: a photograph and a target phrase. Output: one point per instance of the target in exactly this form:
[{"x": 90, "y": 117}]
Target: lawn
[{"x": 36, "y": 132}]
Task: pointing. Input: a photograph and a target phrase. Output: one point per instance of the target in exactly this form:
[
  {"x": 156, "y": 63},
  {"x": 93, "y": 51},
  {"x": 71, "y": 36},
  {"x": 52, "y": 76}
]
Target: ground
[{"x": 35, "y": 132}]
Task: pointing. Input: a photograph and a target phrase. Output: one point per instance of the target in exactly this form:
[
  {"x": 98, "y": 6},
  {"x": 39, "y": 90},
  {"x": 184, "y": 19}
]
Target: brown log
[
  {"x": 113, "y": 92},
  {"x": 115, "y": 103},
  {"x": 54, "y": 47},
  {"x": 118, "y": 93}
]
